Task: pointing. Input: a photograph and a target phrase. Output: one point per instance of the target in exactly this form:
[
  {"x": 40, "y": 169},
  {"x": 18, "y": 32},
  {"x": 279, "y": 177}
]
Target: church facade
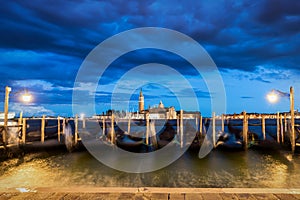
[{"x": 159, "y": 112}]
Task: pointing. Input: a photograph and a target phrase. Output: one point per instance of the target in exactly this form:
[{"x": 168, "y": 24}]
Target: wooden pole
[
  {"x": 278, "y": 127},
  {"x": 293, "y": 136},
  {"x": 263, "y": 127},
  {"x": 24, "y": 131},
  {"x": 245, "y": 130},
  {"x": 43, "y": 129},
  {"x": 76, "y": 129},
  {"x": 103, "y": 126},
  {"x": 281, "y": 129},
  {"x": 196, "y": 122},
  {"x": 20, "y": 119},
  {"x": 201, "y": 125},
  {"x": 58, "y": 129},
  {"x": 222, "y": 121},
  {"x": 153, "y": 134},
  {"x": 128, "y": 126},
  {"x": 147, "y": 128},
  {"x": 83, "y": 122},
  {"x": 285, "y": 123},
  {"x": 214, "y": 128},
  {"x": 112, "y": 130},
  {"x": 204, "y": 127},
  {"x": 64, "y": 126},
  {"x": 4, "y": 133},
  {"x": 181, "y": 128},
  {"x": 178, "y": 125}
]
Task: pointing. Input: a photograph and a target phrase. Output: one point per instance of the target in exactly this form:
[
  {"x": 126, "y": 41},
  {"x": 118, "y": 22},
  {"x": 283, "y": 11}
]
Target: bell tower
[{"x": 141, "y": 102}]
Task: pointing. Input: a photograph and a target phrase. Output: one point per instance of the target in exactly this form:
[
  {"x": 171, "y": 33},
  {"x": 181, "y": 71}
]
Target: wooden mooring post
[
  {"x": 278, "y": 127},
  {"x": 196, "y": 122},
  {"x": 281, "y": 129},
  {"x": 112, "y": 130},
  {"x": 24, "y": 131},
  {"x": 245, "y": 130},
  {"x": 285, "y": 123},
  {"x": 76, "y": 129},
  {"x": 5, "y": 130},
  {"x": 293, "y": 136},
  {"x": 263, "y": 126},
  {"x": 20, "y": 120},
  {"x": 43, "y": 129},
  {"x": 178, "y": 116},
  {"x": 214, "y": 128},
  {"x": 103, "y": 126},
  {"x": 147, "y": 128},
  {"x": 181, "y": 128},
  {"x": 83, "y": 122},
  {"x": 153, "y": 141},
  {"x": 64, "y": 126},
  {"x": 128, "y": 126},
  {"x": 222, "y": 121},
  {"x": 58, "y": 129},
  {"x": 201, "y": 125}
]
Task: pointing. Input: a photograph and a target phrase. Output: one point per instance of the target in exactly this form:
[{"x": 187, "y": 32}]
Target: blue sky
[{"x": 255, "y": 45}]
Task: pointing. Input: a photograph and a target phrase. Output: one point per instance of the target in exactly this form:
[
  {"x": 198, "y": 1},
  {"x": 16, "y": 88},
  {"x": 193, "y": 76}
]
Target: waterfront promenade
[{"x": 146, "y": 193}]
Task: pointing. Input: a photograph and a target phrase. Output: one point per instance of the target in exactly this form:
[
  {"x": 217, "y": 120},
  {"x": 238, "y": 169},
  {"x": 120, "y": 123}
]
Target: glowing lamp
[
  {"x": 26, "y": 97},
  {"x": 272, "y": 97}
]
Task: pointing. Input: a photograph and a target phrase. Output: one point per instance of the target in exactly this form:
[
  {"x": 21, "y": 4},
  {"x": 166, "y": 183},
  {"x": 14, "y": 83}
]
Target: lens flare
[
  {"x": 272, "y": 97},
  {"x": 26, "y": 97}
]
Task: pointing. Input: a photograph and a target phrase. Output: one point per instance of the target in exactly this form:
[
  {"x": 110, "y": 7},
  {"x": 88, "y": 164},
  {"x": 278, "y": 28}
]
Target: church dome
[{"x": 161, "y": 105}]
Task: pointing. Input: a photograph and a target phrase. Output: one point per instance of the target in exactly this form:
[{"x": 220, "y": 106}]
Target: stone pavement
[{"x": 148, "y": 193}]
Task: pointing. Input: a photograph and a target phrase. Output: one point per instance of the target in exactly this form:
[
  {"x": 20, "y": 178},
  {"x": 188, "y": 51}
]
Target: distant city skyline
[{"x": 255, "y": 46}]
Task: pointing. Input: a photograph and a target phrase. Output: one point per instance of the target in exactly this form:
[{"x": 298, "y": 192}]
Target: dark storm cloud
[
  {"x": 244, "y": 29},
  {"x": 55, "y": 37},
  {"x": 29, "y": 65},
  {"x": 139, "y": 57}
]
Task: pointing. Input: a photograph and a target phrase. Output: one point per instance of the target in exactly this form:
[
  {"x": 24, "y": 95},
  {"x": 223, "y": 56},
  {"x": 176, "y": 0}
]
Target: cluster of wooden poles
[
  {"x": 149, "y": 129},
  {"x": 22, "y": 124},
  {"x": 282, "y": 127}
]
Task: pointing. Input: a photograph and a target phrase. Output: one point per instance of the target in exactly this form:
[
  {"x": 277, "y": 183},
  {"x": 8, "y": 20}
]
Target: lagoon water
[
  {"x": 273, "y": 169},
  {"x": 59, "y": 168}
]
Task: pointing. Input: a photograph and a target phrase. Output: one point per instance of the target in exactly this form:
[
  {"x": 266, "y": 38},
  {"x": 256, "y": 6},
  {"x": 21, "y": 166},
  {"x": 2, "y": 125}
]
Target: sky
[{"x": 255, "y": 46}]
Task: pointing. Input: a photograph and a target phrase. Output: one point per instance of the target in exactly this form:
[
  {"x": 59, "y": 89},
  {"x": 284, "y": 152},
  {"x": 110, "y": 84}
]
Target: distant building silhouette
[{"x": 156, "y": 112}]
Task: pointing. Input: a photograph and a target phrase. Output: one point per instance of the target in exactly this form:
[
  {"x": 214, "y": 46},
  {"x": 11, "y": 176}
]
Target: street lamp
[
  {"x": 273, "y": 97},
  {"x": 26, "y": 97}
]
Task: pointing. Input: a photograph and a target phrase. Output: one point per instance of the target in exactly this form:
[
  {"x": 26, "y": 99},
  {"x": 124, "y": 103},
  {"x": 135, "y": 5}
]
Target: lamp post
[
  {"x": 26, "y": 97},
  {"x": 273, "y": 97}
]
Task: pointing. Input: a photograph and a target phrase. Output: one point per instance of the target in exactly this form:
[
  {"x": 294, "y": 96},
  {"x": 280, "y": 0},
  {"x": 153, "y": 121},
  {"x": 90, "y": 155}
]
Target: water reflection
[{"x": 218, "y": 169}]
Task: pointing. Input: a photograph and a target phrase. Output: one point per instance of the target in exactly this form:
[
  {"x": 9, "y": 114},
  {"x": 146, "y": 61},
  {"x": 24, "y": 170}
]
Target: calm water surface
[{"x": 274, "y": 169}]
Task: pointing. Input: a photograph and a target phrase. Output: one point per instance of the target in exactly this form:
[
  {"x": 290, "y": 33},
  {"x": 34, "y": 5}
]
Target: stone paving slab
[{"x": 122, "y": 193}]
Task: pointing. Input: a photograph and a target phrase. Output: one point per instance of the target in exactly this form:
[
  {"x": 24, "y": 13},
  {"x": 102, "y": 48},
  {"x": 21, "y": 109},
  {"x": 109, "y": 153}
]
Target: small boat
[
  {"x": 228, "y": 142},
  {"x": 127, "y": 143},
  {"x": 229, "y": 145},
  {"x": 236, "y": 130}
]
